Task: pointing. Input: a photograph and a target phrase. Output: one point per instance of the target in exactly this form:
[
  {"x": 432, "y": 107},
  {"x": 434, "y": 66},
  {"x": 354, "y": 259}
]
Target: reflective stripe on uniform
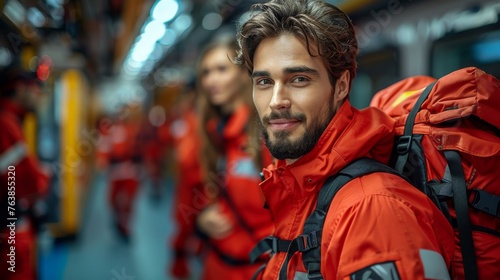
[
  {"x": 12, "y": 156},
  {"x": 380, "y": 271},
  {"x": 300, "y": 276},
  {"x": 245, "y": 168},
  {"x": 434, "y": 265}
]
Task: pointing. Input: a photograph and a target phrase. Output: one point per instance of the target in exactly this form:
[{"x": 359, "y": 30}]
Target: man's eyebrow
[
  {"x": 288, "y": 70},
  {"x": 260, "y": 74},
  {"x": 300, "y": 69}
]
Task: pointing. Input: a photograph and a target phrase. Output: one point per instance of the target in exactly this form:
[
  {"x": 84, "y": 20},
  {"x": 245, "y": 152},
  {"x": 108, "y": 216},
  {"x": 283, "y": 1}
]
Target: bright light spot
[
  {"x": 56, "y": 3},
  {"x": 406, "y": 34},
  {"x": 14, "y": 11},
  {"x": 57, "y": 13},
  {"x": 5, "y": 56},
  {"x": 181, "y": 23},
  {"x": 44, "y": 68},
  {"x": 142, "y": 50},
  {"x": 35, "y": 17},
  {"x": 169, "y": 38},
  {"x": 129, "y": 70},
  {"x": 154, "y": 30},
  {"x": 33, "y": 63},
  {"x": 211, "y": 21},
  {"x": 157, "y": 116},
  {"x": 133, "y": 63},
  {"x": 164, "y": 10},
  {"x": 157, "y": 53}
]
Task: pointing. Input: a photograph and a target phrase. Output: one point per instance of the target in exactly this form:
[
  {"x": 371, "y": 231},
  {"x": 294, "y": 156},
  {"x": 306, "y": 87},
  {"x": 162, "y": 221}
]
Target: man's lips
[{"x": 283, "y": 124}]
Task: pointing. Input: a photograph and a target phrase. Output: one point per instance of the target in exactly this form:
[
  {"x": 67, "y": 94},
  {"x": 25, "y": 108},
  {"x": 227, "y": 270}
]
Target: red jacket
[
  {"x": 30, "y": 181},
  {"x": 241, "y": 179},
  {"x": 375, "y": 222},
  {"x": 189, "y": 197},
  {"x": 119, "y": 150}
]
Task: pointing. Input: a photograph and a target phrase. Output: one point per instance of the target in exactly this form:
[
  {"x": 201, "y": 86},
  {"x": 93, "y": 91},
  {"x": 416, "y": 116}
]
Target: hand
[{"x": 215, "y": 224}]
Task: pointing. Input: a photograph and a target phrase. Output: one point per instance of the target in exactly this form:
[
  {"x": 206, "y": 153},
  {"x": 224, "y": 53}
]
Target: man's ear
[{"x": 342, "y": 87}]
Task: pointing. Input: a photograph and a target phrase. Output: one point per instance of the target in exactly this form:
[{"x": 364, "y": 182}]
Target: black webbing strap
[
  {"x": 270, "y": 244},
  {"x": 440, "y": 193},
  {"x": 259, "y": 271},
  {"x": 309, "y": 243},
  {"x": 404, "y": 143},
  {"x": 230, "y": 260},
  {"x": 462, "y": 211},
  {"x": 355, "y": 169},
  {"x": 478, "y": 228},
  {"x": 301, "y": 243}
]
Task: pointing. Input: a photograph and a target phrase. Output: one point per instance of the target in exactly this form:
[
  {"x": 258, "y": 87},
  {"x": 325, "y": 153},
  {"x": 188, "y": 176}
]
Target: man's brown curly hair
[{"x": 325, "y": 29}]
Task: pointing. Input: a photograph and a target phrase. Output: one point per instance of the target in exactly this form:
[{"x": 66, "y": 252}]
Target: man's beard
[{"x": 282, "y": 147}]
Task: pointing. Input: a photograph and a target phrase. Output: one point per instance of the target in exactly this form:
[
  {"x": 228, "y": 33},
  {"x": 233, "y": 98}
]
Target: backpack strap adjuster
[
  {"x": 308, "y": 241},
  {"x": 486, "y": 202},
  {"x": 404, "y": 144}
]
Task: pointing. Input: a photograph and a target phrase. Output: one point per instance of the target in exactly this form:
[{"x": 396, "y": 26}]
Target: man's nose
[{"x": 280, "y": 99}]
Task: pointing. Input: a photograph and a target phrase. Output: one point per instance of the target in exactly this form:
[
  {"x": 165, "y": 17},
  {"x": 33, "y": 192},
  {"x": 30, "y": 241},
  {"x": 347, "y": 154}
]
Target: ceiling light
[
  {"x": 164, "y": 10},
  {"x": 211, "y": 21}
]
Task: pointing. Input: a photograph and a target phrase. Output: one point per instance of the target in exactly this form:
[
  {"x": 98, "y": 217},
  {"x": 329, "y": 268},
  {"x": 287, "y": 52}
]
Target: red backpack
[{"x": 448, "y": 145}]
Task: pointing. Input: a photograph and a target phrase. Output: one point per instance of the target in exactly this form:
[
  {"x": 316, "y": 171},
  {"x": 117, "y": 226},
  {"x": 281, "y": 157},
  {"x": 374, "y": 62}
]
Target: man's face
[{"x": 292, "y": 94}]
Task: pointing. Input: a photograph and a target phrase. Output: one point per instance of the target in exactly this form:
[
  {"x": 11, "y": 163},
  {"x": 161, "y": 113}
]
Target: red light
[{"x": 43, "y": 70}]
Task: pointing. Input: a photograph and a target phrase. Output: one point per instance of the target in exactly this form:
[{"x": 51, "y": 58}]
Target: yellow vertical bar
[
  {"x": 29, "y": 122},
  {"x": 29, "y": 129},
  {"x": 70, "y": 131}
]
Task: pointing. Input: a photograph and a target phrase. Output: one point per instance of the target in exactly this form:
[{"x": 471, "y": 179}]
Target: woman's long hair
[{"x": 212, "y": 148}]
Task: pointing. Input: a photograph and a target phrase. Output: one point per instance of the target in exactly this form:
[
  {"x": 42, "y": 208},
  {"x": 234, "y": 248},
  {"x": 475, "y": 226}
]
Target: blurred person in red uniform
[
  {"x": 235, "y": 219},
  {"x": 21, "y": 175},
  {"x": 184, "y": 132},
  {"x": 120, "y": 153},
  {"x": 155, "y": 140}
]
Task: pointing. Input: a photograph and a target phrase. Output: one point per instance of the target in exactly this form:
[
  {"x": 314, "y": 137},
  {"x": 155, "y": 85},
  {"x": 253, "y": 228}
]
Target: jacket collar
[
  {"x": 236, "y": 123},
  {"x": 350, "y": 135}
]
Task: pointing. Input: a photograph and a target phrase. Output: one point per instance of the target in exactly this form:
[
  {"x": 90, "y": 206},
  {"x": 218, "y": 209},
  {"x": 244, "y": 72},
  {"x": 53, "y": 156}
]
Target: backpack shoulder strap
[
  {"x": 404, "y": 143},
  {"x": 462, "y": 212},
  {"x": 309, "y": 243},
  {"x": 355, "y": 169}
]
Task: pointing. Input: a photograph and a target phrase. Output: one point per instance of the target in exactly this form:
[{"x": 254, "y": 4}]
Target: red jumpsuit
[
  {"x": 30, "y": 183},
  {"x": 377, "y": 227},
  {"x": 189, "y": 198},
  {"x": 242, "y": 195},
  {"x": 120, "y": 150}
]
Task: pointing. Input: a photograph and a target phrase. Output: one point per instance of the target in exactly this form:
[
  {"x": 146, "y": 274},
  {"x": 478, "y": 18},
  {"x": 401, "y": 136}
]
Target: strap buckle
[
  {"x": 274, "y": 245},
  {"x": 307, "y": 241},
  {"x": 404, "y": 144},
  {"x": 486, "y": 202}
]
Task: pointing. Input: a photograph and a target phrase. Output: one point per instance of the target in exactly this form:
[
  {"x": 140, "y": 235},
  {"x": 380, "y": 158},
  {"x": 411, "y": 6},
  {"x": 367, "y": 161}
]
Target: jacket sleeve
[
  {"x": 388, "y": 235},
  {"x": 30, "y": 181}
]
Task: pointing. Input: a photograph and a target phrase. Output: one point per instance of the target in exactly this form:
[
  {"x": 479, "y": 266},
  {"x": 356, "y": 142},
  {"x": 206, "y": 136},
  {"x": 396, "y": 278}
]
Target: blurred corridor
[{"x": 99, "y": 254}]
